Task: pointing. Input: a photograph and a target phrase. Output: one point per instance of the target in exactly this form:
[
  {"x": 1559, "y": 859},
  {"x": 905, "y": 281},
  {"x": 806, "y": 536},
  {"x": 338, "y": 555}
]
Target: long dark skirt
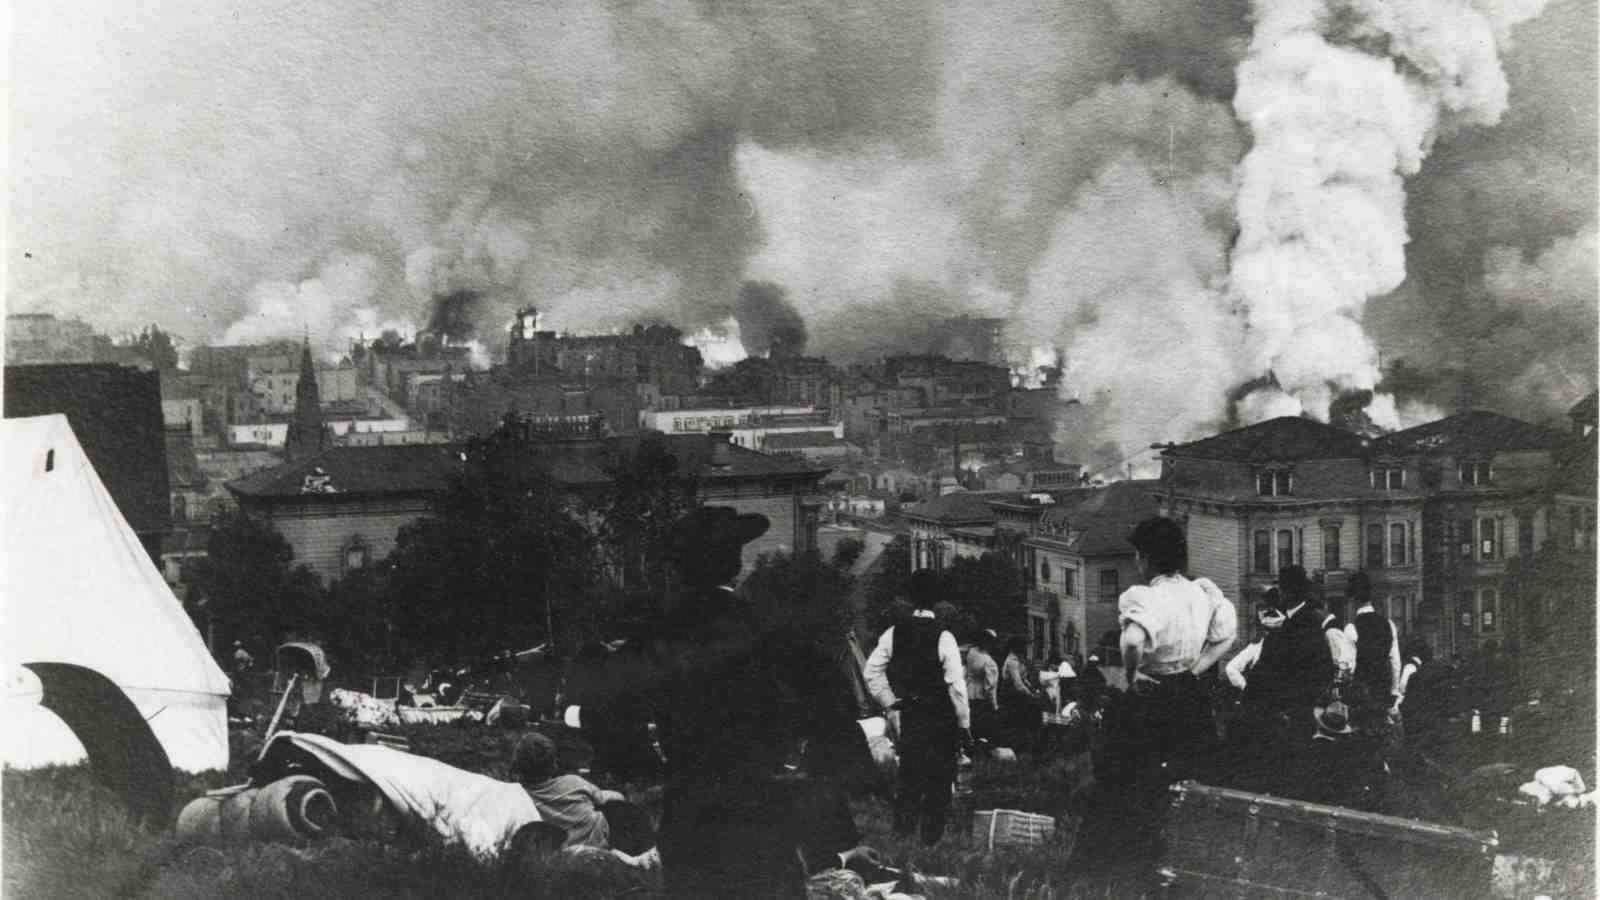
[{"x": 750, "y": 835}]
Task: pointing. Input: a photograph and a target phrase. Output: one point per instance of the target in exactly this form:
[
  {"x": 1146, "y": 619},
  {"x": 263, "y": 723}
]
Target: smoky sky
[{"x": 236, "y": 171}]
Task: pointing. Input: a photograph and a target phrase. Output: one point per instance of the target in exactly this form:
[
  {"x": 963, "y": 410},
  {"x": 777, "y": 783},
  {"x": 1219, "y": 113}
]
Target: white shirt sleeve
[
  {"x": 877, "y": 674},
  {"x": 1404, "y": 682},
  {"x": 1242, "y": 662},
  {"x": 1394, "y": 656},
  {"x": 955, "y": 678},
  {"x": 1343, "y": 649}
]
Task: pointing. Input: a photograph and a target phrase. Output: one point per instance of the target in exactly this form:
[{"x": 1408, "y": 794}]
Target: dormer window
[
  {"x": 1274, "y": 483},
  {"x": 1476, "y": 472},
  {"x": 1387, "y": 478}
]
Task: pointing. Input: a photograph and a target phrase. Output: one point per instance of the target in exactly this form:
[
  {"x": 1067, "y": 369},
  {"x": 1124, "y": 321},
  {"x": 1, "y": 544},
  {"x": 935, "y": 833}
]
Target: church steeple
[{"x": 306, "y": 434}]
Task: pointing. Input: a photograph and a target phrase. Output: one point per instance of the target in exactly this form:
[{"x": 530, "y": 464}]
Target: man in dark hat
[
  {"x": 740, "y": 695},
  {"x": 916, "y": 673}
]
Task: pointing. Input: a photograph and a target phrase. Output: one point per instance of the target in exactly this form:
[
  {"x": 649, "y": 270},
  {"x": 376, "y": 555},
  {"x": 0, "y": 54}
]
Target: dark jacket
[
  {"x": 1295, "y": 668},
  {"x": 1374, "y": 641}
]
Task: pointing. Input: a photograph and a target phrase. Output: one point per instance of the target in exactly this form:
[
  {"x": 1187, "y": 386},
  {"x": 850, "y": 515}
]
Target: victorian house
[{"x": 1292, "y": 491}]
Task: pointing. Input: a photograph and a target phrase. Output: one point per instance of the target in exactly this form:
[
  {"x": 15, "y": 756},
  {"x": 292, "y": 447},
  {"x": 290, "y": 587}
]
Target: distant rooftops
[
  {"x": 1283, "y": 438},
  {"x": 409, "y": 469},
  {"x": 1472, "y": 432}
]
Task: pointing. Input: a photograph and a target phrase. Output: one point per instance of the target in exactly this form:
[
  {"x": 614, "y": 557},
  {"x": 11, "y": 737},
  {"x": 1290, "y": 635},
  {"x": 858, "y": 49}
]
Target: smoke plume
[
  {"x": 767, "y": 323},
  {"x": 1343, "y": 100}
]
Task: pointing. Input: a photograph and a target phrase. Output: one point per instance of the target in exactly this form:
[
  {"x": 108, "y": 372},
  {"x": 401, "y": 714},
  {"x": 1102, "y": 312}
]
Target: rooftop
[
  {"x": 799, "y": 440},
  {"x": 1587, "y": 410},
  {"x": 410, "y": 469},
  {"x": 382, "y": 469},
  {"x": 959, "y": 507},
  {"x": 1281, "y": 439},
  {"x": 1097, "y": 521},
  {"x": 1474, "y": 431}
]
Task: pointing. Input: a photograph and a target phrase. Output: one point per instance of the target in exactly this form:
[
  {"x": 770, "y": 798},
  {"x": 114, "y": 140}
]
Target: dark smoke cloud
[
  {"x": 454, "y": 314},
  {"x": 767, "y": 323}
]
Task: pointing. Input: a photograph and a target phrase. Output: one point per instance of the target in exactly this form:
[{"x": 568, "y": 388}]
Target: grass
[{"x": 64, "y": 836}]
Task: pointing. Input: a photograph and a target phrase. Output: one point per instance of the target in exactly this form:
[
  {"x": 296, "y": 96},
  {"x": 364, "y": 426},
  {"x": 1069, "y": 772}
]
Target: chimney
[{"x": 721, "y": 448}]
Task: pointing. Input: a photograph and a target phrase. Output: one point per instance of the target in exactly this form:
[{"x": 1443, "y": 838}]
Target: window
[
  {"x": 1044, "y": 571},
  {"x": 1069, "y": 578},
  {"x": 1330, "y": 547},
  {"x": 355, "y": 554},
  {"x": 1575, "y": 522},
  {"x": 1487, "y": 538},
  {"x": 1274, "y": 483},
  {"x": 1464, "y": 608},
  {"x": 1388, "y": 479},
  {"x": 1037, "y": 627},
  {"x": 1397, "y": 544},
  {"x": 1464, "y": 538},
  {"x": 1285, "y": 549},
  {"x": 1490, "y": 604},
  {"x": 1110, "y": 584},
  {"x": 1264, "y": 552},
  {"x": 1476, "y": 473},
  {"x": 1525, "y": 536},
  {"x": 1374, "y": 546}
]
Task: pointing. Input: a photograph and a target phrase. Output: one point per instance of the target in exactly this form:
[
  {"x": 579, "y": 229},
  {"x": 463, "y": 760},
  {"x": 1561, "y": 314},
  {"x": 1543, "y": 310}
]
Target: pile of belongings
[
  {"x": 310, "y": 787},
  {"x": 1560, "y": 786}
]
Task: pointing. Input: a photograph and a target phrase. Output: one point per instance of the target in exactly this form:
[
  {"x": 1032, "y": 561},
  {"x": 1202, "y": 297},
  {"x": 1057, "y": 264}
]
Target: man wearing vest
[
  {"x": 1288, "y": 681},
  {"x": 1375, "y": 685},
  {"x": 916, "y": 671}
]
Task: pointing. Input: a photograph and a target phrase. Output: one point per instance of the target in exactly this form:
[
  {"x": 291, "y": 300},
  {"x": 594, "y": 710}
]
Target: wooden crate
[
  {"x": 1012, "y": 828},
  {"x": 1226, "y": 843}
]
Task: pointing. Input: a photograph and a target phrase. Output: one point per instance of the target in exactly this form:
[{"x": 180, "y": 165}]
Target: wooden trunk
[{"x": 1226, "y": 843}]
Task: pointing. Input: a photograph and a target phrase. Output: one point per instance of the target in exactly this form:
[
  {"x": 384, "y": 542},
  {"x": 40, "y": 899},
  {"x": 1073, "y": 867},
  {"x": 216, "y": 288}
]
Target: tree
[
  {"x": 154, "y": 345},
  {"x": 248, "y": 587},
  {"x": 989, "y": 589},
  {"x": 802, "y": 591},
  {"x": 889, "y": 580},
  {"x": 494, "y": 566},
  {"x": 648, "y": 495},
  {"x": 846, "y": 552}
]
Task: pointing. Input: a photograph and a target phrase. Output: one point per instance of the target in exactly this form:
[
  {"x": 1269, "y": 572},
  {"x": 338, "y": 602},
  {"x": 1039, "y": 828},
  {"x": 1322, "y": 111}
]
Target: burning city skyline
[{"x": 1178, "y": 202}]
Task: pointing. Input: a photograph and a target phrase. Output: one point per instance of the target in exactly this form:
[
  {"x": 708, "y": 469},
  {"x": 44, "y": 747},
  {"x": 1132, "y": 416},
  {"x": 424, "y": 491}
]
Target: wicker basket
[{"x": 1011, "y": 828}]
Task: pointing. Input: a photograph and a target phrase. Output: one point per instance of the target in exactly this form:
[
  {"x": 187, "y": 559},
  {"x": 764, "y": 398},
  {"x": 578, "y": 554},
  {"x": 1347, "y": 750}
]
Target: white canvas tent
[{"x": 79, "y": 588}]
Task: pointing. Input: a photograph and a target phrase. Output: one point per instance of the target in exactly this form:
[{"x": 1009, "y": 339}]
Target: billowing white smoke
[
  {"x": 332, "y": 308},
  {"x": 1130, "y": 286},
  {"x": 1343, "y": 99}
]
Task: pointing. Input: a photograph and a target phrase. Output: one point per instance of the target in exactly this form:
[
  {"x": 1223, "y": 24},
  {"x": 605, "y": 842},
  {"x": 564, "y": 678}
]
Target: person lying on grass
[{"x": 568, "y": 801}]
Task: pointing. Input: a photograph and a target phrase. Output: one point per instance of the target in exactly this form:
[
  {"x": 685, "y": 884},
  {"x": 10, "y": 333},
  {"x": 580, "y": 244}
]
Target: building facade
[
  {"x": 343, "y": 508},
  {"x": 1438, "y": 516}
]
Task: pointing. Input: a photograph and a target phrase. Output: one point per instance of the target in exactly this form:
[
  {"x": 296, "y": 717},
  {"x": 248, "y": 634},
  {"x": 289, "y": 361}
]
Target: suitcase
[{"x": 1220, "y": 842}]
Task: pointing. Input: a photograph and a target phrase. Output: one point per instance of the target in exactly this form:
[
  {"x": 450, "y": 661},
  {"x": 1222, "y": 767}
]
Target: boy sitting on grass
[{"x": 569, "y": 802}]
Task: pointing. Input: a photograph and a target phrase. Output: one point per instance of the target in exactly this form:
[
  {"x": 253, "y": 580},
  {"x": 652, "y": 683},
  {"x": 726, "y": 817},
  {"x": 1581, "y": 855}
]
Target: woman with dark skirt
[
  {"x": 1019, "y": 702},
  {"x": 743, "y": 692}
]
